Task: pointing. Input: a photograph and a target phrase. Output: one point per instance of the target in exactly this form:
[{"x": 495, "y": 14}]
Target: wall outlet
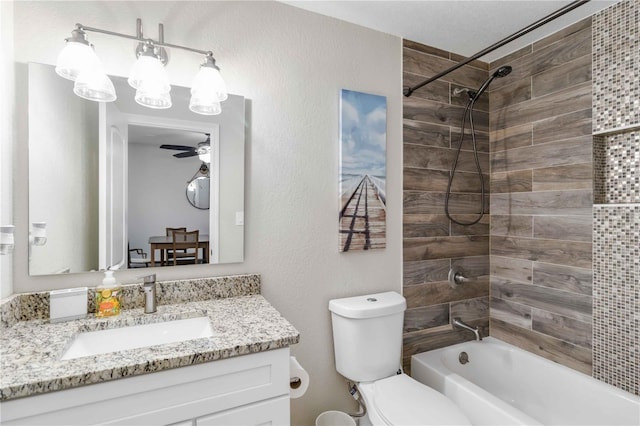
[{"x": 240, "y": 218}]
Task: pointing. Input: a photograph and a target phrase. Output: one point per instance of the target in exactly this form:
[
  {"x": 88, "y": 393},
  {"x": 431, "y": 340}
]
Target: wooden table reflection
[{"x": 164, "y": 243}]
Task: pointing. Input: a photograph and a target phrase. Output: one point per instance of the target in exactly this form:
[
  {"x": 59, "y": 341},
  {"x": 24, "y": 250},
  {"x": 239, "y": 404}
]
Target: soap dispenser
[{"x": 108, "y": 296}]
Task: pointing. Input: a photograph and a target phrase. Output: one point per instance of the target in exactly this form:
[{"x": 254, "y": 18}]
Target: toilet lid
[{"x": 401, "y": 400}]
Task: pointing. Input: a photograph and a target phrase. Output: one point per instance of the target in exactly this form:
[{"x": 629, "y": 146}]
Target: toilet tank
[{"x": 367, "y": 335}]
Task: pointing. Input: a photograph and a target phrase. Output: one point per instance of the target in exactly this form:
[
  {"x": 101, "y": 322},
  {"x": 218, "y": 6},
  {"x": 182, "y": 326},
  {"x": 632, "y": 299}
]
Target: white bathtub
[{"x": 504, "y": 385}]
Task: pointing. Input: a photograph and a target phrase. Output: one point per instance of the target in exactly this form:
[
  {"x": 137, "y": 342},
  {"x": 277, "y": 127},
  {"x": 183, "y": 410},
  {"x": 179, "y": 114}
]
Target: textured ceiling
[{"x": 463, "y": 27}]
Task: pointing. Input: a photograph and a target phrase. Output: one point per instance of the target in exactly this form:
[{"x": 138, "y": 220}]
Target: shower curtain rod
[{"x": 409, "y": 90}]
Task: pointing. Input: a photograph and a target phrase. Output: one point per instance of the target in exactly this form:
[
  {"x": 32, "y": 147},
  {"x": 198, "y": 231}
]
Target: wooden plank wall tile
[
  {"x": 512, "y": 313},
  {"x": 565, "y": 126},
  {"x": 445, "y": 247},
  {"x": 420, "y": 202},
  {"x": 513, "y": 270},
  {"x": 420, "y": 133},
  {"x": 567, "y": 74},
  {"x": 574, "y": 228},
  {"x": 557, "y": 203},
  {"x": 560, "y": 302},
  {"x": 510, "y": 138},
  {"x": 511, "y": 225},
  {"x": 426, "y": 317},
  {"x": 550, "y": 251},
  {"x": 560, "y": 35},
  {"x": 539, "y": 139},
  {"x": 441, "y": 292},
  {"x": 567, "y": 329},
  {"x": 471, "y": 309},
  {"x": 575, "y": 176},
  {"x": 425, "y": 271},
  {"x": 482, "y": 140},
  {"x": 433, "y": 158},
  {"x": 557, "y": 103},
  {"x": 563, "y": 277},
  {"x": 480, "y": 228},
  {"x": 437, "y": 180},
  {"x": 432, "y": 243},
  {"x": 541, "y": 198},
  {"x": 518, "y": 181},
  {"x": 560, "y": 351},
  {"x": 562, "y": 153}
]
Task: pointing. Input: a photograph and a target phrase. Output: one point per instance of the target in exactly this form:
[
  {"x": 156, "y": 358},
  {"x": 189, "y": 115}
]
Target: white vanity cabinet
[{"x": 244, "y": 390}]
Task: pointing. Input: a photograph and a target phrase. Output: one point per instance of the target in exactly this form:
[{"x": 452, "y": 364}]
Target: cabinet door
[{"x": 271, "y": 412}]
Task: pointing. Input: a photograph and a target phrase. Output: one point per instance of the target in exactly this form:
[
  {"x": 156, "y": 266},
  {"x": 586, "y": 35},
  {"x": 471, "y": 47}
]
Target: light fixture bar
[{"x": 141, "y": 39}]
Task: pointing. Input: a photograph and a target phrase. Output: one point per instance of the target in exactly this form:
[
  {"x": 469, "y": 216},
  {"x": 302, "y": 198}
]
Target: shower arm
[{"x": 568, "y": 8}]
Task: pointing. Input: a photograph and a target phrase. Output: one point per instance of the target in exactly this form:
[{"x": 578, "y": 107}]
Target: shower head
[
  {"x": 500, "y": 72},
  {"x": 503, "y": 71}
]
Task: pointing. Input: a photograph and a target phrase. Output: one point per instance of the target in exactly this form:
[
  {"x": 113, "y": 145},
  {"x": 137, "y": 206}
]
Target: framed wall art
[{"x": 363, "y": 171}]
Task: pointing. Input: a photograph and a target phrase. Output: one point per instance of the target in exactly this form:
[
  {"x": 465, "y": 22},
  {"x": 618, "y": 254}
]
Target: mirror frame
[
  {"x": 235, "y": 132},
  {"x": 187, "y": 192}
]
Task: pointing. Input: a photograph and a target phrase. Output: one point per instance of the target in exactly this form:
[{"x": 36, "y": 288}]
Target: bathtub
[{"x": 504, "y": 385}]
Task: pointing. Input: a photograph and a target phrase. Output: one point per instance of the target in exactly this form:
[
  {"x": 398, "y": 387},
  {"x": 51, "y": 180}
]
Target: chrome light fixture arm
[{"x": 140, "y": 37}]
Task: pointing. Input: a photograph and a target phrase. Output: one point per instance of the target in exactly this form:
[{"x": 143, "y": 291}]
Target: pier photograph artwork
[{"x": 363, "y": 171}]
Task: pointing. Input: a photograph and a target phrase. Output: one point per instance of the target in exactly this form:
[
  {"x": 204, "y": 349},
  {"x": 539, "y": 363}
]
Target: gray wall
[{"x": 291, "y": 64}]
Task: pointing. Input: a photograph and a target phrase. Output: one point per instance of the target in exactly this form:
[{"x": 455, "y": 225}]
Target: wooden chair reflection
[
  {"x": 169, "y": 252},
  {"x": 139, "y": 261},
  {"x": 185, "y": 247}
]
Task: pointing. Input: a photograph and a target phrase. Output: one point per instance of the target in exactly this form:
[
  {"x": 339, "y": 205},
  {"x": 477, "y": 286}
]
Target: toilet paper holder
[
  {"x": 295, "y": 382},
  {"x": 298, "y": 379}
]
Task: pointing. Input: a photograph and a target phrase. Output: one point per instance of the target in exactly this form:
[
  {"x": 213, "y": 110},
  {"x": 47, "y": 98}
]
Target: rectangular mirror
[{"x": 108, "y": 179}]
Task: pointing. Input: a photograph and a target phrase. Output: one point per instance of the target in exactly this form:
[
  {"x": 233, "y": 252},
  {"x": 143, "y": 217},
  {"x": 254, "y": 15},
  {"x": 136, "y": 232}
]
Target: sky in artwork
[{"x": 363, "y": 133}]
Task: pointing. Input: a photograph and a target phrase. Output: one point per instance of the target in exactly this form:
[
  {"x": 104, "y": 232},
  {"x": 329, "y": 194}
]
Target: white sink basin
[{"x": 137, "y": 336}]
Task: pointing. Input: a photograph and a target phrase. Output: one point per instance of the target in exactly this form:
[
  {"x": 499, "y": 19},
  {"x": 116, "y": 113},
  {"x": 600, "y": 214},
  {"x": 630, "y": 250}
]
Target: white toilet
[{"x": 367, "y": 338}]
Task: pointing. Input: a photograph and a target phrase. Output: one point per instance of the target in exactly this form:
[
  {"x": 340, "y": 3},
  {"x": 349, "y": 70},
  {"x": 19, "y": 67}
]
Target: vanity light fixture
[
  {"x": 38, "y": 234},
  {"x": 6, "y": 239},
  {"x": 204, "y": 153},
  {"x": 78, "y": 62}
]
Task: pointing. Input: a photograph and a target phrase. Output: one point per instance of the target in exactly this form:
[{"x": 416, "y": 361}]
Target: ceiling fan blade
[
  {"x": 177, "y": 147},
  {"x": 185, "y": 154}
]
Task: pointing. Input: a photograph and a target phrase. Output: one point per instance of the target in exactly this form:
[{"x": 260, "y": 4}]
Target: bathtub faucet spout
[{"x": 457, "y": 322}]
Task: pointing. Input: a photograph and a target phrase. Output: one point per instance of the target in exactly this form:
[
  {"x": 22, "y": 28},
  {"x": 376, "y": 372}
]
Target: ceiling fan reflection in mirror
[{"x": 203, "y": 150}]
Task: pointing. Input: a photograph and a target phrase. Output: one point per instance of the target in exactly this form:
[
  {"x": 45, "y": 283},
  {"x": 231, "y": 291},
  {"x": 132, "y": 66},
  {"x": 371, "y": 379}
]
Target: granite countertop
[{"x": 30, "y": 351}]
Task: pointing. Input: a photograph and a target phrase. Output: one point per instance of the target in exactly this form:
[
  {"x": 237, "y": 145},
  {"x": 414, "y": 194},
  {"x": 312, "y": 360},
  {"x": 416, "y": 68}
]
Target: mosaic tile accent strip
[
  {"x": 616, "y": 296},
  {"x": 616, "y": 162},
  {"x": 616, "y": 66}
]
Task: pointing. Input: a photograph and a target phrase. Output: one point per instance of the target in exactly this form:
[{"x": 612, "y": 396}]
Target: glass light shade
[
  {"x": 204, "y": 106},
  {"x": 206, "y": 157},
  {"x": 208, "y": 84},
  {"x": 149, "y": 71},
  {"x": 39, "y": 233},
  {"x": 151, "y": 99},
  {"x": 93, "y": 84},
  {"x": 6, "y": 239},
  {"x": 74, "y": 58}
]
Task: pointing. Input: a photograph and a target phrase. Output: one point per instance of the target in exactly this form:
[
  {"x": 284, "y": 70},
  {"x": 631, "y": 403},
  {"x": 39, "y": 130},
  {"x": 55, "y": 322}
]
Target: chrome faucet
[
  {"x": 149, "y": 288},
  {"x": 457, "y": 322}
]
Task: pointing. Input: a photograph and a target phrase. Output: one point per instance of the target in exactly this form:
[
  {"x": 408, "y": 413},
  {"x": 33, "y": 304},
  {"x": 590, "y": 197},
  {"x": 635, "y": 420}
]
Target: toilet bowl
[
  {"x": 367, "y": 336},
  {"x": 401, "y": 400}
]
